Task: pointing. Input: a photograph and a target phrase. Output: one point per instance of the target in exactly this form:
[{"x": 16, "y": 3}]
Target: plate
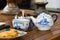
[{"x": 21, "y": 33}]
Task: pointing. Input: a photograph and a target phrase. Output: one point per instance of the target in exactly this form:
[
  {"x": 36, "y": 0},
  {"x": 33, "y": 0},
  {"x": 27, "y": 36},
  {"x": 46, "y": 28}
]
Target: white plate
[{"x": 2, "y": 23}]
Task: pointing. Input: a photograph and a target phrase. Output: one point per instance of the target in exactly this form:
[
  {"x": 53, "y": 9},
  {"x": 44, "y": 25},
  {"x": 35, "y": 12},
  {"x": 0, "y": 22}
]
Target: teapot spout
[{"x": 33, "y": 19}]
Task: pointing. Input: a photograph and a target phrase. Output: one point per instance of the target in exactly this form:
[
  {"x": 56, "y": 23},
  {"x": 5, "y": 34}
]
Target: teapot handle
[
  {"x": 56, "y": 17},
  {"x": 31, "y": 24}
]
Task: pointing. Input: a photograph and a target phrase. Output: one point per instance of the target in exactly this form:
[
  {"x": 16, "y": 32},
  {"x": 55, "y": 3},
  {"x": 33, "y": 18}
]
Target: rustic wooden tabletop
[{"x": 34, "y": 33}]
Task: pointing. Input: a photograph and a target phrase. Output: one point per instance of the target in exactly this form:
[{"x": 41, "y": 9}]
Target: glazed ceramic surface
[
  {"x": 44, "y": 21},
  {"x": 21, "y": 23}
]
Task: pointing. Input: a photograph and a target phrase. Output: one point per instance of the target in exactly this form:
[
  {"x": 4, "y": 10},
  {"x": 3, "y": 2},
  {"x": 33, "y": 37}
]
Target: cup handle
[
  {"x": 31, "y": 24},
  {"x": 56, "y": 17}
]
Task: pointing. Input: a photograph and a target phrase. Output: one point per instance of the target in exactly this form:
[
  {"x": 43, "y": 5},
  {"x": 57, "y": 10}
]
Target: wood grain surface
[{"x": 34, "y": 33}]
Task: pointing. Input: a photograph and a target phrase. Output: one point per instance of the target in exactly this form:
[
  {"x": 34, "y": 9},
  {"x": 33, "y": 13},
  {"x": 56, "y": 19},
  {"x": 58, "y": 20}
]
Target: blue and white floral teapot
[{"x": 44, "y": 21}]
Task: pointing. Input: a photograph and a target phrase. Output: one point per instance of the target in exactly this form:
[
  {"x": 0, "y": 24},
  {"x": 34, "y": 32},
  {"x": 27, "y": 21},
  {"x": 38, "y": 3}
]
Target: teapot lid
[{"x": 43, "y": 10}]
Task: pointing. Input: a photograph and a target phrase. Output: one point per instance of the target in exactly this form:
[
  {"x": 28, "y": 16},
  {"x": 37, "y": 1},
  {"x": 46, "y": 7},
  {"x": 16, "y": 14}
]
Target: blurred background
[
  {"x": 2, "y": 4},
  {"x": 53, "y": 5},
  {"x": 25, "y": 4}
]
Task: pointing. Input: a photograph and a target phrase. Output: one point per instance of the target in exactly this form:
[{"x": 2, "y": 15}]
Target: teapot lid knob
[
  {"x": 43, "y": 10},
  {"x": 16, "y": 16}
]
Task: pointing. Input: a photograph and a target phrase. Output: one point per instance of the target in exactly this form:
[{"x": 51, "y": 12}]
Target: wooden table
[{"x": 34, "y": 33}]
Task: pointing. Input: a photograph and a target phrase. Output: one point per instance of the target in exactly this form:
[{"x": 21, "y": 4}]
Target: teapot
[{"x": 44, "y": 21}]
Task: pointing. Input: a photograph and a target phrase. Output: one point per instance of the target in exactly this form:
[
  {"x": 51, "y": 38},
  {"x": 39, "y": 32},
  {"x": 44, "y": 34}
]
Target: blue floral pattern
[
  {"x": 17, "y": 25},
  {"x": 43, "y": 22}
]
